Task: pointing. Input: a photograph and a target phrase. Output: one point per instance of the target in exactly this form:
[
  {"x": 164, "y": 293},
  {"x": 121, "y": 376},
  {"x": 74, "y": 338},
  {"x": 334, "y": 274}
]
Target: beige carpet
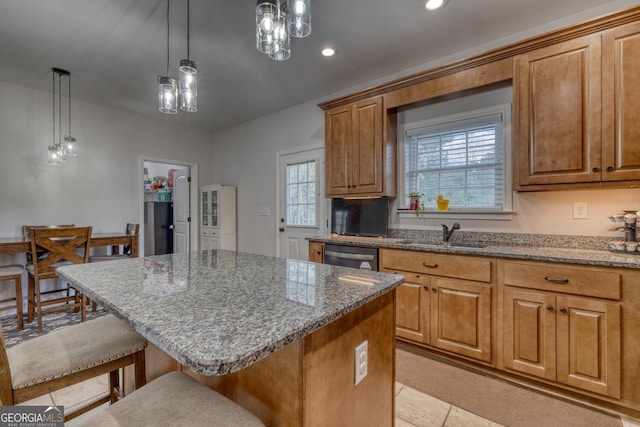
[{"x": 492, "y": 398}]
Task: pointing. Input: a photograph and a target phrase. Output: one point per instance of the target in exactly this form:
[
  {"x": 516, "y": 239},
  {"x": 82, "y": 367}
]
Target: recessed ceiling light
[
  {"x": 435, "y": 4},
  {"x": 328, "y": 51}
]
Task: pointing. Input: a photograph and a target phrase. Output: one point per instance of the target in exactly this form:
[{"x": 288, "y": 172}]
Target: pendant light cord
[
  {"x": 188, "y": 27},
  {"x": 60, "y": 107},
  {"x": 168, "y": 1},
  {"x": 53, "y": 86},
  {"x": 69, "y": 80}
]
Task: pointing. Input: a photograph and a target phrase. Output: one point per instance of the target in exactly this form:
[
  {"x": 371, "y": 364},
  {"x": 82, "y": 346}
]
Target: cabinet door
[
  {"x": 316, "y": 252},
  {"x": 206, "y": 243},
  {"x": 620, "y": 107},
  {"x": 461, "y": 318},
  {"x": 529, "y": 332},
  {"x": 559, "y": 121},
  {"x": 589, "y": 345},
  {"x": 412, "y": 308},
  {"x": 366, "y": 147},
  {"x": 338, "y": 124}
]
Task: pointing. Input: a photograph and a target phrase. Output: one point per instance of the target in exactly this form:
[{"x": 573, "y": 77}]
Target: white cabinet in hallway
[{"x": 218, "y": 217}]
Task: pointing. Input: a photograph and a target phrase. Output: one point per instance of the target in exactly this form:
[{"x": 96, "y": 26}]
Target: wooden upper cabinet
[
  {"x": 557, "y": 89},
  {"x": 360, "y": 149},
  {"x": 620, "y": 106},
  {"x": 337, "y": 147}
]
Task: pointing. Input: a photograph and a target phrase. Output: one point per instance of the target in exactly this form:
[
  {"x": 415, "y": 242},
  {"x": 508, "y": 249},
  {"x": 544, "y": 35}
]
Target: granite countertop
[
  {"x": 513, "y": 251},
  {"x": 217, "y": 312}
]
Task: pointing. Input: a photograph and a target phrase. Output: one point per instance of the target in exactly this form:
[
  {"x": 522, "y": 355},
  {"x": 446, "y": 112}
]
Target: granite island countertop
[
  {"x": 568, "y": 255},
  {"x": 217, "y": 312}
]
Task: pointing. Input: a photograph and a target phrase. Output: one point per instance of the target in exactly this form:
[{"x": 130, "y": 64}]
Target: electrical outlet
[
  {"x": 361, "y": 361},
  {"x": 580, "y": 210}
]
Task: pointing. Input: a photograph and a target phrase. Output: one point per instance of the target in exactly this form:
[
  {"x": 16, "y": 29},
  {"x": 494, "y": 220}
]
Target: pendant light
[
  {"x": 70, "y": 145},
  {"x": 167, "y": 86},
  {"x": 57, "y": 151},
  {"x": 188, "y": 75},
  {"x": 276, "y": 21}
]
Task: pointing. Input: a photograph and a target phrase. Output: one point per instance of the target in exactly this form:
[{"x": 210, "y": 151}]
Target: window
[
  {"x": 301, "y": 194},
  {"x": 464, "y": 157}
]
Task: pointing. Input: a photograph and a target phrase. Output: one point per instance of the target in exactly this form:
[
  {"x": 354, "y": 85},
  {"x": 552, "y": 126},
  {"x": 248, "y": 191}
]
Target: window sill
[{"x": 457, "y": 214}]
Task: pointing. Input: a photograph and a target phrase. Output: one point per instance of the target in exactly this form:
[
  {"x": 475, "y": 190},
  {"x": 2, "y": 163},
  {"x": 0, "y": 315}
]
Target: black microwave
[{"x": 360, "y": 217}]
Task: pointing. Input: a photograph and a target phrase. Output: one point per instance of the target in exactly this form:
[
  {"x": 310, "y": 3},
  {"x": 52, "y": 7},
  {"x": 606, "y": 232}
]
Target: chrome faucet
[{"x": 446, "y": 233}]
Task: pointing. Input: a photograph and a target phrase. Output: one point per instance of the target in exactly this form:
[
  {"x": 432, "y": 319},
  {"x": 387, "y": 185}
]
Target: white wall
[
  {"x": 245, "y": 156},
  {"x": 102, "y": 185}
]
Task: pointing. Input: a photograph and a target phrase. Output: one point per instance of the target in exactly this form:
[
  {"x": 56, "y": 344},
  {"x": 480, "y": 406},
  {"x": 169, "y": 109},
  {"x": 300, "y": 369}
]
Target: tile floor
[{"x": 413, "y": 408}]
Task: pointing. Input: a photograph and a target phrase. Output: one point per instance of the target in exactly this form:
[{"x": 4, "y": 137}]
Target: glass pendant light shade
[
  {"x": 188, "y": 86},
  {"x": 266, "y": 14},
  {"x": 53, "y": 155},
  {"x": 299, "y": 18},
  {"x": 70, "y": 146},
  {"x": 281, "y": 40},
  {"x": 167, "y": 95}
]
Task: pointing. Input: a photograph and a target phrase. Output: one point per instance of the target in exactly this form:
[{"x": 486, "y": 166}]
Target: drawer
[
  {"x": 455, "y": 266},
  {"x": 214, "y": 232},
  {"x": 565, "y": 279},
  {"x": 204, "y": 231}
]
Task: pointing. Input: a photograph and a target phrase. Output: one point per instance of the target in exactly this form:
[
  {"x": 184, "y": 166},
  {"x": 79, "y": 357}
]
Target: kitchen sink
[{"x": 473, "y": 245}]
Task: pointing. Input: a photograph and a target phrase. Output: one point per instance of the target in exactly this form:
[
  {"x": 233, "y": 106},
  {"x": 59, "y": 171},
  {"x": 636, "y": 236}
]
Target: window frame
[{"x": 460, "y": 213}]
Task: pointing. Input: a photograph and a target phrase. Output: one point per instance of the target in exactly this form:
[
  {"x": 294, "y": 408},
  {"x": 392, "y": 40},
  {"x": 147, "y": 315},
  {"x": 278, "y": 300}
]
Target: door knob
[
  {"x": 171, "y": 227},
  {"x": 281, "y": 229}
]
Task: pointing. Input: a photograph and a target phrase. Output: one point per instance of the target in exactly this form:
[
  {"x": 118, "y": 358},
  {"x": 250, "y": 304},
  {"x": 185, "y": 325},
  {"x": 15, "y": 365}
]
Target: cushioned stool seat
[
  {"x": 174, "y": 399},
  {"x": 71, "y": 349}
]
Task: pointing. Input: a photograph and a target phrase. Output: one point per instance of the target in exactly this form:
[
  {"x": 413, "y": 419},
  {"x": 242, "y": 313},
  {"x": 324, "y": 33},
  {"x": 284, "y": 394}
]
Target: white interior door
[
  {"x": 301, "y": 203},
  {"x": 181, "y": 211}
]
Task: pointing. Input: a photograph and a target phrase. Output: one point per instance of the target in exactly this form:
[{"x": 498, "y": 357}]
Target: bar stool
[
  {"x": 173, "y": 399},
  {"x": 68, "y": 356},
  {"x": 13, "y": 272}
]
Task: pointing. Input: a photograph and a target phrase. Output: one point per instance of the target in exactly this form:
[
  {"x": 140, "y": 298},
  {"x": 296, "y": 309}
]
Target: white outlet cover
[{"x": 361, "y": 361}]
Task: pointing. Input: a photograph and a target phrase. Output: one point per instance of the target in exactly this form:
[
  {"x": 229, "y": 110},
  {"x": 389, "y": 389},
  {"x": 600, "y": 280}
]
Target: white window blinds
[{"x": 461, "y": 159}]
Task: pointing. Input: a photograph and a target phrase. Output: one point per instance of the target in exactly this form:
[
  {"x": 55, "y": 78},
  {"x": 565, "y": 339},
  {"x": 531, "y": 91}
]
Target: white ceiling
[{"x": 116, "y": 48}]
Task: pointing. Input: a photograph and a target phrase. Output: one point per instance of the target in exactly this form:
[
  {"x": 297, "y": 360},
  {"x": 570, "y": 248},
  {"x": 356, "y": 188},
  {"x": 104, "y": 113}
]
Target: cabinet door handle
[
  {"x": 551, "y": 279},
  {"x": 434, "y": 289},
  {"x": 563, "y": 310},
  {"x": 426, "y": 288},
  {"x": 549, "y": 308},
  {"x": 596, "y": 169},
  {"x": 430, "y": 265},
  {"x": 610, "y": 168}
]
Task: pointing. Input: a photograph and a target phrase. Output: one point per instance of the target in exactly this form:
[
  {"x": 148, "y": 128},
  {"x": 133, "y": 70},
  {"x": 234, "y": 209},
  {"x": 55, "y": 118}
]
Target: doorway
[
  {"x": 302, "y": 207},
  {"x": 169, "y": 191}
]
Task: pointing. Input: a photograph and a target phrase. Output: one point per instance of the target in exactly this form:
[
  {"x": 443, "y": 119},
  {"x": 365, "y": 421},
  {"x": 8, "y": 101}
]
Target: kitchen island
[{"x": 277, "y": 336}]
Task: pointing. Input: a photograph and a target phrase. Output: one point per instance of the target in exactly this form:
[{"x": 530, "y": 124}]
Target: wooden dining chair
[
  {"x": 61, "y": 246},
  {"x": 173, "y": 399},
  {"x": 13, "y": 273},
  {"x": 26, "y": 233},
  {"x": 71, "y": 355},
  {"x": 130, "y": 229}
]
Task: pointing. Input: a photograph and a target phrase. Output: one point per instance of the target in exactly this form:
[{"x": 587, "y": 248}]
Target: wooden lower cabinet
[
  {"x": 570, "y": 340},
  {"x": 316, "y": 252},
  {"x": 461, "y": 318},
  {"x": 451, "y": 315}
]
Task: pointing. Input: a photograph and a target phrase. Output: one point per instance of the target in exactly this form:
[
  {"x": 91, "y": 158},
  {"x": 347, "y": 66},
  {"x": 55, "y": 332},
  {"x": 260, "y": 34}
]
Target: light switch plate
[
  {"x": 361, "y": 361},
  {"x": 264, "y": 211}
]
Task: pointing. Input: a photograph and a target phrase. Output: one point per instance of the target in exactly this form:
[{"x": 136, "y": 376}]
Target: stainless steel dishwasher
[{"x": 351, "y": 256}]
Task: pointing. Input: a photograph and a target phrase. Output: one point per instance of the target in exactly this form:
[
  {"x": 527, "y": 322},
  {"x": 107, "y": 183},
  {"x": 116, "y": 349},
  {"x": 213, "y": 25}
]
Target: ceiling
[{"x": 115, "y": 49}]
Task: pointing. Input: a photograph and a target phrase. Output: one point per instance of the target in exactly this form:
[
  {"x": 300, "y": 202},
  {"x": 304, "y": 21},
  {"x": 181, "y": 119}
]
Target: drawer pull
[
  {"x": 551, "y": 279},
  {"x": 430, "y": 265}
]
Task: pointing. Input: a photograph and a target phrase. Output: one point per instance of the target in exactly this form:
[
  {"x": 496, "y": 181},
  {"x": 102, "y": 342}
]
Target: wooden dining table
[{"x": 16, "y": 245}]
